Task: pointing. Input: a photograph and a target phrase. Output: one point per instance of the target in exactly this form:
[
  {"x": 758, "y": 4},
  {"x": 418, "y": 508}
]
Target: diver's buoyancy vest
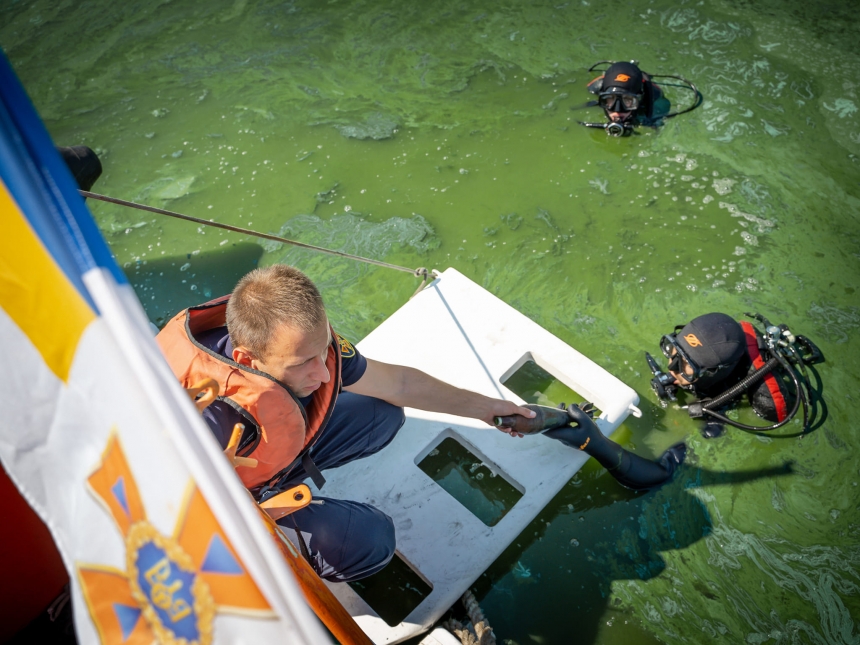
[
  {"x": 284, "y": 425},
  {"x": 769, "y": 398}
]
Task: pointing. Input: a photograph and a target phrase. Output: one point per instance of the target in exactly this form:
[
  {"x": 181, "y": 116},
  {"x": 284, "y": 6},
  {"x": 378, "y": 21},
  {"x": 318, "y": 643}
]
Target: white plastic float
[{"x": 462, "y": 334}]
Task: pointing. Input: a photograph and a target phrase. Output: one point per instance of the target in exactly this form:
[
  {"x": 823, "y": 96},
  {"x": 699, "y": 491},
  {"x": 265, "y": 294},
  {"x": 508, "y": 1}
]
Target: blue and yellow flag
[{"x": 161, "y": 541}]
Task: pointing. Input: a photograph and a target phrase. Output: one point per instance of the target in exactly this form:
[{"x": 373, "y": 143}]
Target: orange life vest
[{"x": 284, "y": 427}]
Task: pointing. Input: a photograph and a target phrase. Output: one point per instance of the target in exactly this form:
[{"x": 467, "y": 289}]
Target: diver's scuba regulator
[
  {"x": 785, "y": 351},
  {"x": 612, "y": 128}
]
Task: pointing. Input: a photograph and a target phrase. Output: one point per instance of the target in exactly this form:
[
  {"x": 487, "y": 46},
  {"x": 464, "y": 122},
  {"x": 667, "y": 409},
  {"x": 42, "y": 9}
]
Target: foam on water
[{"x": 338, "y": 123}]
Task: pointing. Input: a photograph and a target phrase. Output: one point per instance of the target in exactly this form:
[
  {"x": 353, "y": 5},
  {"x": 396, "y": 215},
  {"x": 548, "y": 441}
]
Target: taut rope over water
[{"x": 420, "y": 272}]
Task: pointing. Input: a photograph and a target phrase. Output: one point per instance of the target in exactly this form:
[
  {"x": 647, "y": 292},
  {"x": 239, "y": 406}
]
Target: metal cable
[{"x": 420, "y": 272}]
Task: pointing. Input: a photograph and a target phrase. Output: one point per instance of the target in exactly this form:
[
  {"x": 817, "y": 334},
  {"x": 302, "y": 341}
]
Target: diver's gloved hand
[
  {"x": 582, "y": 430},
  {"x": 629, "y": 469}
]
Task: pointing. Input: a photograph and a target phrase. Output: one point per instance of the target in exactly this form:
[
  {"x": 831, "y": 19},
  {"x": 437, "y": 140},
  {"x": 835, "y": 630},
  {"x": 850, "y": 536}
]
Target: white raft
[{"x": 462, "y": 334}]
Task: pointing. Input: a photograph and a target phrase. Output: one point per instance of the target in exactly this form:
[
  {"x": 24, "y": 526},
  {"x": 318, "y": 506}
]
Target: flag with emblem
[{"x": 160, "y": 540}]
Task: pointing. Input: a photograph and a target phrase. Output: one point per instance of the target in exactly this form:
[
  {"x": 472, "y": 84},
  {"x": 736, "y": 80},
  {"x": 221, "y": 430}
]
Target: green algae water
[{"x": 442, "y": 134}]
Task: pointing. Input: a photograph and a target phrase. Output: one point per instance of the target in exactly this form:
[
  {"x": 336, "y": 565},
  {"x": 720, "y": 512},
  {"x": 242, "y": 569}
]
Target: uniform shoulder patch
[{"x": 346, "y": 348}]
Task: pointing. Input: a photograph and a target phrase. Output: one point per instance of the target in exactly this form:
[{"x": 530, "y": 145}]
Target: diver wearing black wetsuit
[
  {"x": 628, "y": 95},
  {"x": 630, "y": 98},
  {"x": 718, "y": 360}
]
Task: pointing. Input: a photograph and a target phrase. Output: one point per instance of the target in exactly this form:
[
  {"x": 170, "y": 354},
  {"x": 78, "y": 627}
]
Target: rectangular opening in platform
[
  {"x": 534, "y": 384},
  {"x": 394, "y": 592},
  {"x": 485, "y": 491}
]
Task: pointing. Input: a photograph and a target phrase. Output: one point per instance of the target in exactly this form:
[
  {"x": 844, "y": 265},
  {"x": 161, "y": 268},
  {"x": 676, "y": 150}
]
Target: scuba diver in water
[
  {"x": 630, "y": 98},
  {"x": 718, "y": 360}
]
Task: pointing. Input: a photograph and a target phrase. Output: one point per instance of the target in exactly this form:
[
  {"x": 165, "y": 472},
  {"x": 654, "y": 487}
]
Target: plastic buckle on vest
[{"x": 288, "y": 502}]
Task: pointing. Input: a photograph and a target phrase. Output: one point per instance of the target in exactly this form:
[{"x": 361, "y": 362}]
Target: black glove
[
  {"x": 630, "y": 470},
  {"x": 582, "y": 429}
]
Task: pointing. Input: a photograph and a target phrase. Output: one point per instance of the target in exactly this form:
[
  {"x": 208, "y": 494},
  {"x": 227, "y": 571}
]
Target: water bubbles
[
  {"x": 185, "y": 266},
  {"x": 574, "y": 542},
  {"x": 749, "y": 238},
  {"x": 723, "y": 186}
]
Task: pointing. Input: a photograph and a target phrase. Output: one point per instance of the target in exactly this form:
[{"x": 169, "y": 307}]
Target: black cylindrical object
[
  {"x": 83, "y": 163},
  {"x": 546, "y": 418}
]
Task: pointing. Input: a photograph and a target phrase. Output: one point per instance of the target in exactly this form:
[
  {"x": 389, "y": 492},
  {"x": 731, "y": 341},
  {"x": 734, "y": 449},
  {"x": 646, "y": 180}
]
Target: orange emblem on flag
[{"x": 172, "y": 586}]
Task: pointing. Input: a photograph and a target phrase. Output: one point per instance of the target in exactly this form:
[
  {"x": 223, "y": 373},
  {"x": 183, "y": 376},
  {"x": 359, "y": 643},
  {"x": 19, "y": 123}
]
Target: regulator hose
[
  {"x": 758, "y": 375},
  {"x": 745, "y": 384},
  {"x": 690, "y": 86}
]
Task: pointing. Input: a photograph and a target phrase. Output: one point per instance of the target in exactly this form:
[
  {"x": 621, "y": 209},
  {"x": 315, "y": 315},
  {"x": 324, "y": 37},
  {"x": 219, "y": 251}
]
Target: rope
[
  {"x": 478, "y": 632},
  {"x": 420, "y": 272}
]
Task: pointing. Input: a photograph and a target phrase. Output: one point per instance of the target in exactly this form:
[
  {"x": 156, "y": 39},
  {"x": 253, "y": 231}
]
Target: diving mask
[
  {"x": 679, "y": 359},
  {"x": 619, "y": 102}
]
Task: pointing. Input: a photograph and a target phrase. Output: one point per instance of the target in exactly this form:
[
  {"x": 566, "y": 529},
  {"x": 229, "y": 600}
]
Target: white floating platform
[{"x": 462, "y": 334}]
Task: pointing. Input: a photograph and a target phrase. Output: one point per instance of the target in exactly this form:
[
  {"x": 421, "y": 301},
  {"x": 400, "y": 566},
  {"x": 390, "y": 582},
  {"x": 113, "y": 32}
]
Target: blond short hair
[{"x": 268, "y": 298}]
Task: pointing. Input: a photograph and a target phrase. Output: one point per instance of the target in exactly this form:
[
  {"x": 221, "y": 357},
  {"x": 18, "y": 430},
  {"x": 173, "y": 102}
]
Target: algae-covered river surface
[{"x": 441, "y": 134}]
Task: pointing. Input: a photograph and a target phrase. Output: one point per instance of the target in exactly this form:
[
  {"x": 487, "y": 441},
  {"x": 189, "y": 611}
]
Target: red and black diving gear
[
  {"x": 719, "y": 360},
  {"x": 629, "y": 97}
]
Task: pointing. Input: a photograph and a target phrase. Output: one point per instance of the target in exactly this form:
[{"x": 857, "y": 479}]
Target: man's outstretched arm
[{"x": 409, "y": 387}]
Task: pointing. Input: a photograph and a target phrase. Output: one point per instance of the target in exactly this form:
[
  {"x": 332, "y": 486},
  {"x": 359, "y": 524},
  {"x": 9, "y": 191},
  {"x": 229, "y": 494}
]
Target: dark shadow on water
[
  {"x": 593, "y": 533},
  {"x": 164, "y": 285}
]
